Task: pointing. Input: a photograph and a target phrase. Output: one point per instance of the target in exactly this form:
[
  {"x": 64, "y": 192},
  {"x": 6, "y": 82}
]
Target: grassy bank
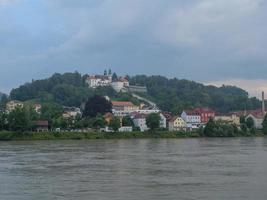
[
  {"x": 92, "y": 135},
  {"x": 7, "y": 136}
]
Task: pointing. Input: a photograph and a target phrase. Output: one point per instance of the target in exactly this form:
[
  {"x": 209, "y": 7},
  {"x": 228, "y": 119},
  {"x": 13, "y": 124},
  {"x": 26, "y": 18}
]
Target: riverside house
[
  {"x": 177, "y": 124},
  {"x": 192, "y": 119}
]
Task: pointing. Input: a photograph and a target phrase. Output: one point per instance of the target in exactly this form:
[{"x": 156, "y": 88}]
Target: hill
[
  {"x": 173, "y": 95},
  {"x": 67, "y": 89}
]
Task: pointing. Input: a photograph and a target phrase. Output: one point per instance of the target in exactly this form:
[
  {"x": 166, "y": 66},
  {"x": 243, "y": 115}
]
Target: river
[{"x": 184, "y": 169}]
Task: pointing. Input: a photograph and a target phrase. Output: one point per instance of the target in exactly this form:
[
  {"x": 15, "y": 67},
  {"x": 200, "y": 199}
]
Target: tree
[
  {"x": 127, "y": 121},
  {"x": 95, "y": 105},
  {"x": 115, "y": 123},
  {"x": 250, "y": 123},
  {"x": 98, "y": 122},
  {"x": 153, "y": 121},
  {"x": 3, "y": 121},
  {"x": 242, "y": 119},
  {"x": 19, "y": 120},
  {"x": 114, "y": 77},
  {"x": 264, "y": 125},
  {"x": 210, "y": 128}
]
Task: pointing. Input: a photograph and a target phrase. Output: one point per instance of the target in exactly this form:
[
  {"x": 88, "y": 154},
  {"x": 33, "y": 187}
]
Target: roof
[
  {"x": 140, "y": 116},
  {"x": 204, "y": 110},
  {"x": 41, "y": 123},
  {"x": 108, "y": 115},
  {"x": 167, "y": 115},
  {"x": 122, "y": 103},
  {"x": 102, "y": 77},
  {"x": 173, "y": 118},
  {"x": 191, "y": 112}
]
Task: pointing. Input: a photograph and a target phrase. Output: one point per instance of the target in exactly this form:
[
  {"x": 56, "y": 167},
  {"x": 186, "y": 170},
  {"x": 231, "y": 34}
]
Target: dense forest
[{"x": 173, "y": 95}]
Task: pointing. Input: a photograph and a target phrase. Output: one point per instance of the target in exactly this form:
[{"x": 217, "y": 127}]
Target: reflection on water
[{"x": 134, "y": 169}]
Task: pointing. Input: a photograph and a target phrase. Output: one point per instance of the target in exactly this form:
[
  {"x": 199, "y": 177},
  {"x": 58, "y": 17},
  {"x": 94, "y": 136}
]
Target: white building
[
  {"x": 192, "y": 119},
  {"x": 99, "y": 80},
  {"x": 117, "y": 86},
  {"x": 139, "y": 120},
  {"x": 126, "y": 129},
  {"x": 71, "y": 112},
  {"x": 257, "y": 119},
  {"x": 163, "y": 121}
]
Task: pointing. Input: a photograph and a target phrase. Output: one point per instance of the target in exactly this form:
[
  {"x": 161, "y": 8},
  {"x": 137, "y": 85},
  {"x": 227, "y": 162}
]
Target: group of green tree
[
  {"x": 174, "y": 95},
  {"x": 222, "y": 129}
]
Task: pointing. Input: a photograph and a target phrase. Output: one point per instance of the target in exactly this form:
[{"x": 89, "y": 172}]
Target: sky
[{"x": 209, "y": 41}]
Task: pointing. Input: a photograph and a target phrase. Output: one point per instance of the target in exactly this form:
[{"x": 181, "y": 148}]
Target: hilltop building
[
  {"x": 99, "y": 80},
  {"x": 12, "y": 105}
]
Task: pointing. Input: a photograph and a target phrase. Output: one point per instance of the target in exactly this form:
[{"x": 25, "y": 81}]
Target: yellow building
[
  {"x": 177, "y": 124},
  {"x": 232, "y": 119}
]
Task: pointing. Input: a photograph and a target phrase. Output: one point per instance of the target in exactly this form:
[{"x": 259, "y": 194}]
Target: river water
[{"x": 186, "y": 169}]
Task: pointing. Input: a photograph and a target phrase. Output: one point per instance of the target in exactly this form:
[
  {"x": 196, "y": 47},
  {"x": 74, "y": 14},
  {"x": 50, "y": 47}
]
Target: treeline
[
  {"x": 175, "y": 95},
  {"x": 222, "y": 129}
]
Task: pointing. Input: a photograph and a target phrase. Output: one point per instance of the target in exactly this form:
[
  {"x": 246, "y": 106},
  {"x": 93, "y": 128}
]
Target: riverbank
[{"x": 9, "y": 136}]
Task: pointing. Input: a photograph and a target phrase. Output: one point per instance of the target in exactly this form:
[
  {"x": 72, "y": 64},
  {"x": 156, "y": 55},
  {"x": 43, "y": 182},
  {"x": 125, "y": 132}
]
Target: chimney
[{"x": 263, "y": 104}]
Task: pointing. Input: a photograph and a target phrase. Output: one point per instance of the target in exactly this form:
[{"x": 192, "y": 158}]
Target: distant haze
[{"x": 210, "y": 41}]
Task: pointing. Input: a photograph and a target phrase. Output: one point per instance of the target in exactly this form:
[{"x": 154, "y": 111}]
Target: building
[
  {"x": 71, "y": 112},
  {"x": 205, "y": 114},
  {"x": 230, "y": 118},
  {"x": 108, "y": 117},
  {"x": 99, "y": 80},
  {"x": 117, "y": 86},
  {"x": 139, "y": 121},
  {"x": 12, "y": 105},
  {"x": 126, "y": 129},
  {"x": 41, "y": 126},
  {"x": 162, "y": 121},
  {"x": 177, "y": 124},
  {"x": 192, "y": 119},
  {"x": 37, "y": 108},
  {"x": 257, "y": 119},
  {"x": 123, "y": 108}
]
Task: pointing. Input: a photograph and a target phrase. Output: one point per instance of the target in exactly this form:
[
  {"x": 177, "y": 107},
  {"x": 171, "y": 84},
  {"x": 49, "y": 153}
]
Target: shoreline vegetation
[{"x": 30, "y": 136}]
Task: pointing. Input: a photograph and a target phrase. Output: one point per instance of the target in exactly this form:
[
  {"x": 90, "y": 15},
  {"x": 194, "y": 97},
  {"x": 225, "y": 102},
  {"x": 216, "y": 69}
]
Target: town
[{"x": 125, "y": 116}]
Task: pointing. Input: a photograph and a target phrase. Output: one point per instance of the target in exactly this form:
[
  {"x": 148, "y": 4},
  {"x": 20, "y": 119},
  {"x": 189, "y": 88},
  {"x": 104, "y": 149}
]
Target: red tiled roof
[{"x": 122, "y": 103}]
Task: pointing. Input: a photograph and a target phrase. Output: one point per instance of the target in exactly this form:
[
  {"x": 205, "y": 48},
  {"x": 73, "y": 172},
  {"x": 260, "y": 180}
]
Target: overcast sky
[{"x": 211, "y": 41}]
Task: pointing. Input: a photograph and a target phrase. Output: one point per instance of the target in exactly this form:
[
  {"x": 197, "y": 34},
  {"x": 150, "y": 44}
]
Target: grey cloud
[{"x": 202, "y": 40}]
